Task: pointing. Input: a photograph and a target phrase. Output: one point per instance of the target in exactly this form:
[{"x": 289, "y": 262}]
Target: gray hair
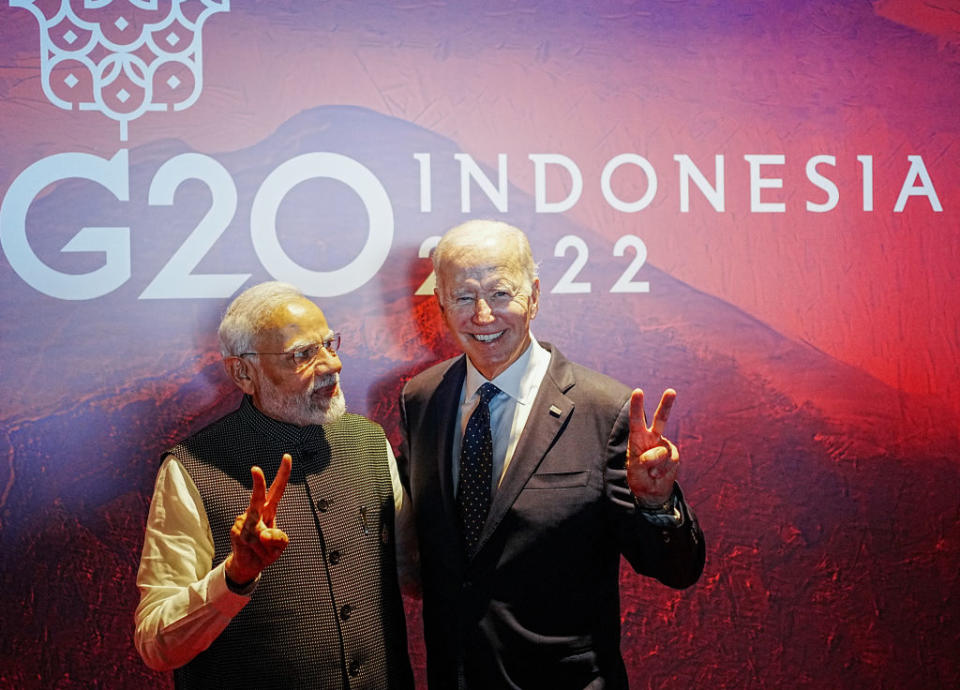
[
  {"x": 475, "y": 231},
  {"x": 246, "y": 315}
]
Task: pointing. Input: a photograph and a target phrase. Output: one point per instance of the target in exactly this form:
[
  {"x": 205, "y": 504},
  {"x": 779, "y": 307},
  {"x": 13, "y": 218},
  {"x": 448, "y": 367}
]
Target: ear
[
  {"x": 239, "y": 372},
  {"x": 535, "y": 298},
  {"x": 436, "y": 293}
]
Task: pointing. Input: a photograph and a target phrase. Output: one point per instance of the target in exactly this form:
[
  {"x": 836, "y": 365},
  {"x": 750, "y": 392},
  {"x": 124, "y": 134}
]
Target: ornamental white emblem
[{"x": 122, "y": 57}]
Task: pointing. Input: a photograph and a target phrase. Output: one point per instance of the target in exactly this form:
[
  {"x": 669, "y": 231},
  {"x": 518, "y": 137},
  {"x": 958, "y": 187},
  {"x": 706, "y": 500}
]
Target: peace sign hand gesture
[
  {"x": 652, "y": 461},
  {"x": 255, "y": 542}
]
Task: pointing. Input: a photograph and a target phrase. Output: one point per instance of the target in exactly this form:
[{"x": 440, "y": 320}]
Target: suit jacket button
[
  {"x": 334, "y": 557},
  {"x": 323, "y": 505},
  {"x": 354, "y": 668},
  {"x": 345, "y": 612}
]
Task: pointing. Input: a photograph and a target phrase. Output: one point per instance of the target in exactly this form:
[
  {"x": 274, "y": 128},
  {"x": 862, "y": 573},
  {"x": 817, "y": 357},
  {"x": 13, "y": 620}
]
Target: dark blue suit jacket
[{"x": 536, "y": 605}]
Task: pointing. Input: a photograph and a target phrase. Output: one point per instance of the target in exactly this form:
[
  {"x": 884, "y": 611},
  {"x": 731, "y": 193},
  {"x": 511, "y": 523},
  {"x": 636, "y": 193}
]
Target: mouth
[
  {"x": 325, "y": 389},
  {"x": 486, "y": 337},
  {"x": 324, "y": 393}
]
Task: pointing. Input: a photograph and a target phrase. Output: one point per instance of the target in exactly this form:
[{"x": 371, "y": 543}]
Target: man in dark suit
[{"x": 529, "y": 477}]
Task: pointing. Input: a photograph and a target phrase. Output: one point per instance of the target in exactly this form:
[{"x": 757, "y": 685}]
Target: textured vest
[{"x": 328, "y": 612}]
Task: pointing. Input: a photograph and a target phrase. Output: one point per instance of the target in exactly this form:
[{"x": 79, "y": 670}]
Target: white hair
[
  {"x": 473, "y": 232},
  {"x": 245, "y": 317}
]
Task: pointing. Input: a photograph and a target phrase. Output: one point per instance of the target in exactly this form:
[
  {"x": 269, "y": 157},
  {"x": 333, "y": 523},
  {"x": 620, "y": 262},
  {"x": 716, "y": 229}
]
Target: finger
[
  {"x": 274, "y": 538},
  {"x": 277, "y": 487},
  {"x": 638, "y": 418},
  {"x": 237, "y": 530},
  {"x": 273, "y": 548},
  {"x": 271, "y": 544},
  {"x": 654, "y": 461},
  {"x": 674, "y": 451},
  {"x": 259, "y": 494},
  {"x": 257, "y": 498},
  {"x": 663, "y": 410},
  {"x": 657, "y": 454},
  {"x": 248, "y": 525}
]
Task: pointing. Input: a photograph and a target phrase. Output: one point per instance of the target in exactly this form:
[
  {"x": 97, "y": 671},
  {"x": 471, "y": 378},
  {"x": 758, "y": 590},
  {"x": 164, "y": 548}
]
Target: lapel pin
[{"x": 554, "y": 410}]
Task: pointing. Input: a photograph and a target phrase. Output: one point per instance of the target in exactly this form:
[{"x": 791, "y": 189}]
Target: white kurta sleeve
[{"x": 185, "y": 603}]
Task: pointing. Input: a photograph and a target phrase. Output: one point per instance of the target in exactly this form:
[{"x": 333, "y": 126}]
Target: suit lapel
[
  {"x": 550, "y": 411},
  {"x": 443, "y": 410}
]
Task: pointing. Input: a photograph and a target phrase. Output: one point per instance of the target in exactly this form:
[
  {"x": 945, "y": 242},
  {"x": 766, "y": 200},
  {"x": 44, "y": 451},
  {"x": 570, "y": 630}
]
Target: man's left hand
[{"x": 652, "y": 461}]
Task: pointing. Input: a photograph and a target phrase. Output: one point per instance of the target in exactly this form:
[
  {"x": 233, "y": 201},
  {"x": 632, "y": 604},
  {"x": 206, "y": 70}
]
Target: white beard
[{"x": 306, "y": 408}]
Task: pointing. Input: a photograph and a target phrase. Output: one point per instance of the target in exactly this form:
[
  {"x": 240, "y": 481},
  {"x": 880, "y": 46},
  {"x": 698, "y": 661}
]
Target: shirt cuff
[{"x": 225, "y": 595}]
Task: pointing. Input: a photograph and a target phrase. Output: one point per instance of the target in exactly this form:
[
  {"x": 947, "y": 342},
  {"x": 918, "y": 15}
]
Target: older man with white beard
[{"x": 228, "y": 598}]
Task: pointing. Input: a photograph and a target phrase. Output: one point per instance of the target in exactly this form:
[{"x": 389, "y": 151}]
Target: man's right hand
[{"x": 256, "y": 542}]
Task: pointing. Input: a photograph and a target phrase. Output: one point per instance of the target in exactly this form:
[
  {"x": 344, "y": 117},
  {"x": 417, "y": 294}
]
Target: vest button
[
  {"x": 323, "y": 505},
  {"x": 354, "y": 668},
  {"x": 334, "y": 557},
  {"x": 345, "y": 612}
]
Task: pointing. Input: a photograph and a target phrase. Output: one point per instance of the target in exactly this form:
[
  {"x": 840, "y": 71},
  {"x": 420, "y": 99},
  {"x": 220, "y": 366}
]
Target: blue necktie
[{"x": 476, "y": 470}]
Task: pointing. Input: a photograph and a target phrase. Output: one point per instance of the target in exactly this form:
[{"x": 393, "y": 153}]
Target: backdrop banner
[{"x": 755, "y": 203}]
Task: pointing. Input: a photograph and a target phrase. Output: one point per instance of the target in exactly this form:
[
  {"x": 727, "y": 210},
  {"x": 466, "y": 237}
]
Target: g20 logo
[{"x": 176, "y": 279}]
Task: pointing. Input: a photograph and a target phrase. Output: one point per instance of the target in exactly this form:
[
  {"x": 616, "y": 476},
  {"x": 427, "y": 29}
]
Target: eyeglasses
[
  {"x": 496, "y": 300},
  {"x": 305, "y": 356}
]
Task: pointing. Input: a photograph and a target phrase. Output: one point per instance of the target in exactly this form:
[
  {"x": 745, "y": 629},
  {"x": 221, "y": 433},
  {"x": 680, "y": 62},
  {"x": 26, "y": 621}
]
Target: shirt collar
[{"x": 520, "y": 380}]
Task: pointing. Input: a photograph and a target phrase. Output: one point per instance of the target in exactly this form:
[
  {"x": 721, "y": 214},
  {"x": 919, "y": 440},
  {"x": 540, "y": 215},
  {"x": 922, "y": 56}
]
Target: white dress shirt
[
  {"x": 185, "y": 603},
  {"x": 509, "y": 410}
]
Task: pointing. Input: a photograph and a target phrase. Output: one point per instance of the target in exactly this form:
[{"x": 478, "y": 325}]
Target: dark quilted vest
[{"x": 328, "y": 612}]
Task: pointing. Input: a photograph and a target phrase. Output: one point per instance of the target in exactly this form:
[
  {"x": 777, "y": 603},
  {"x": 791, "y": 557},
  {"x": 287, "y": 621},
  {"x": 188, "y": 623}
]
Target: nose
[
  {"x": 482, "y": 313},
  {"x": 327, "y": 362}
]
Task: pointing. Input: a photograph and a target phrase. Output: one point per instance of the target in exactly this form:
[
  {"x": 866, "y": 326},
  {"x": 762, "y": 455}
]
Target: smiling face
[
  {"x": 486, "y": 300},
  {"x": 296, "y": 393}
]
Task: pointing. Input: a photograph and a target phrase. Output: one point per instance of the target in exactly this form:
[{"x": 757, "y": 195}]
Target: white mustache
[{"x": 326, "y": 381}]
